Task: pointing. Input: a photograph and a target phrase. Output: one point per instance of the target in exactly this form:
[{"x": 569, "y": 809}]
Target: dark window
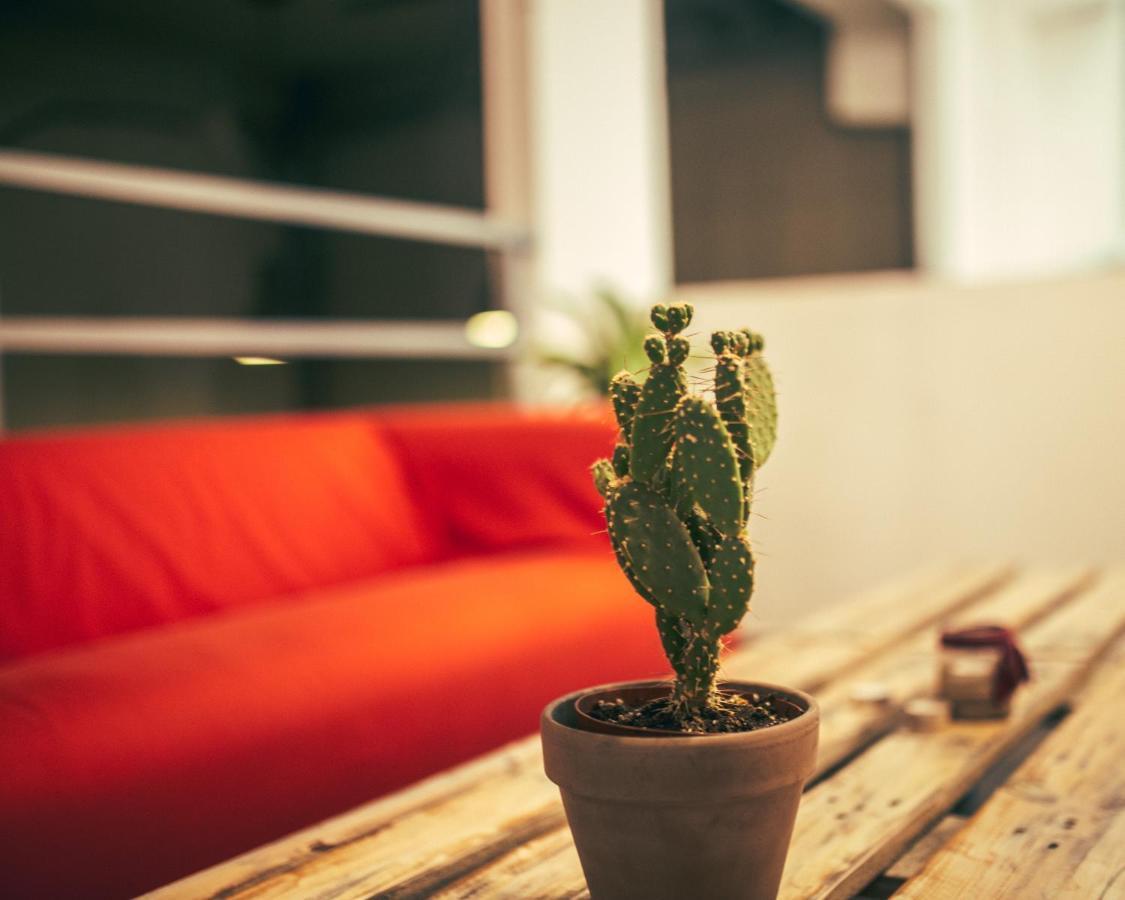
[
  {"x": 763, "y": 183},
  {"x": 380, "y": 97}
]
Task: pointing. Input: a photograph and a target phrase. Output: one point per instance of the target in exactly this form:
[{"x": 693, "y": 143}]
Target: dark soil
[{"x": 728, "y": 713}]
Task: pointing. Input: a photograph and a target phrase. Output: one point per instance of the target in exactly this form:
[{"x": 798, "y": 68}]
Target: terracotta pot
[{"x": 676, "y": 816}]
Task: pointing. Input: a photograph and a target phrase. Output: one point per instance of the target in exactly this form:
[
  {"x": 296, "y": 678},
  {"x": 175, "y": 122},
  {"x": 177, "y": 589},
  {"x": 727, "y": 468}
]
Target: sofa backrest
[
  {"x": 493, "y": 477},
  {"x": 108, "y": 531}
]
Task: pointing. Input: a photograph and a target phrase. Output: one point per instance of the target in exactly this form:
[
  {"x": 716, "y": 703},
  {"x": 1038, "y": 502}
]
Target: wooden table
[{"x": 886, "y": 811}]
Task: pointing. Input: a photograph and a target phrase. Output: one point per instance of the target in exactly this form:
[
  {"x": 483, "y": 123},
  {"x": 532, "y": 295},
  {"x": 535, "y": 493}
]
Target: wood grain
[
  {"x": 371, "y": 832},
  {"x": 854, "y": 824},
  {"x": 925, "y": 848},
  {"x": 1057, "y": 827},
  {"x": 834, "y": 641},
  {"x": 419, "y": 840},
  {"x": 549, "y": 866},
  {"x": 910, "y": 670}
]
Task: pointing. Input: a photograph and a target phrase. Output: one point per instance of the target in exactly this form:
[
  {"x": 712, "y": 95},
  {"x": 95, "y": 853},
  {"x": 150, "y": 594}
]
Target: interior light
[
  {"x": 258, "y": 361},
  {"x": 494, "y": 329}
]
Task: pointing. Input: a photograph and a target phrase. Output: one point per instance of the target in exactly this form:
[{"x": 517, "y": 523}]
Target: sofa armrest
[{"x": 491, "y": 477}]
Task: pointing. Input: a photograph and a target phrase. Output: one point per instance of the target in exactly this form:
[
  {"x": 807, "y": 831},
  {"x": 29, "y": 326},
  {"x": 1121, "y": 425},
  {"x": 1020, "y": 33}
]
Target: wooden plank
[
  {"x": 1057, "y": 827},
  {"x": 874, "y": 809},
  {"x": 913, "y": 860},
  {"x": 447, "y": 826},
  {"x": 925, "y": 848},
  {"x": 910, "y": 671},
  {"x": 834, "y": 641},
  {"x": 854, "y": 824},
  {"x": 277, "y": 869},
  {"x": 548, "y": 867}
]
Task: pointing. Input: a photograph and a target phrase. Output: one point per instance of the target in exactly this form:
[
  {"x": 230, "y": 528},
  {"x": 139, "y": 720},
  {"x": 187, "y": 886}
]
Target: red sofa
[{"x": 214, "y": 633}]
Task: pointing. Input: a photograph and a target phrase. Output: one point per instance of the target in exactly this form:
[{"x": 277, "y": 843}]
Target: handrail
[
  {"x": 259, "y": 200},
  {"x": 285, "y": 338}
]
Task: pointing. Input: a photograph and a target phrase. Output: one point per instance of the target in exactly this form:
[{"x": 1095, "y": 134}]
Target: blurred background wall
[
  {"x": 921, "y": 205},
  {"x": 924, "y": 421}
]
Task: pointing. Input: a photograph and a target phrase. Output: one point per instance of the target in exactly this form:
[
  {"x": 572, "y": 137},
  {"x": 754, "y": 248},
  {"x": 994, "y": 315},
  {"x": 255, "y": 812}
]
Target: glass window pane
[{"x": 763, "y": 183}]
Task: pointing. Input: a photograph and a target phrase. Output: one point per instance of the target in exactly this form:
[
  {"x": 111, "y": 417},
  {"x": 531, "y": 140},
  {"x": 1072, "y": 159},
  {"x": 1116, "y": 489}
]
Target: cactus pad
[
  {"x": 703, "y": 535},
  {"x": 708, "y": 458},
  {"x": 730, "y": 398},
  {"x": 658, "y": 550},
  {"x": 679, "y": 349},
  {"x": 679, "y": 491},
  {"x": 672, "y": 638},
  {"x": 731, "y": 572},
  {"x": 652, "y": 424},
  {"x": 626, "y": 394},
  {"x": 624, "y": 565},
  {"x": 621, "y": 460},
  {"x": 761, "y": 408}
]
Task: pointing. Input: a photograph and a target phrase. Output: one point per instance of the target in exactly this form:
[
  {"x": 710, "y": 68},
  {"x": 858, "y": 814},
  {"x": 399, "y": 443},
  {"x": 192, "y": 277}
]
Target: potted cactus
[{"x": 688, "y": 787}]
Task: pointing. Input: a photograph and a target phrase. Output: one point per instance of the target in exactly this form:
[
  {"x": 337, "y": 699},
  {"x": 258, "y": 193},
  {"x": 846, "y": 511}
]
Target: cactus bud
[
  {"x": 602, "y": 471},
  {"x": 659, "y": 316},
  {"x": 679, "y": 317},
  {"x": 720, "y": 342},
  {"x": 654, "y": 348},
  {"x": 754, "y": 341},
  {"x": 740, "y": 343},
  {"x": 678, "y": 350}
]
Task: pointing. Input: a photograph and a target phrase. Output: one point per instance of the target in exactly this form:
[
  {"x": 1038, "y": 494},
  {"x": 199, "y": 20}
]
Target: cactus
[
  {"x": 658, "y": 548},
  {"x": 652, "y": 437},
  {"x": 626, "y": 394},
  {"x": 761, "y": 403},
  {"x": 677, "y": 494}
]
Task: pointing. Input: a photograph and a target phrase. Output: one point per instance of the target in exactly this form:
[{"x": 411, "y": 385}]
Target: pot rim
[{"x": 792, "y": 730}]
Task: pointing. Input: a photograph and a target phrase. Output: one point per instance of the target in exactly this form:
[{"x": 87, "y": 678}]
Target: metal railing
[
  {"x": 502, "y": 229},
  {"x": 267, "y": 202},
  {"x": 260, "y": 200},
  {"x": 285, "y": 338}
]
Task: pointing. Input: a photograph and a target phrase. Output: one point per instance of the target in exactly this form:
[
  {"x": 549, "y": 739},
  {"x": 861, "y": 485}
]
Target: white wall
[
  {"x": 922, "y": 422},
  {"x": 1019, "y": 136},
  {"x": 599, "y": 145}
]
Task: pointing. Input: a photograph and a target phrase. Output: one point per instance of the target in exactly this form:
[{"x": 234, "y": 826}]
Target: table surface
[{"x": 885, "y": 811}]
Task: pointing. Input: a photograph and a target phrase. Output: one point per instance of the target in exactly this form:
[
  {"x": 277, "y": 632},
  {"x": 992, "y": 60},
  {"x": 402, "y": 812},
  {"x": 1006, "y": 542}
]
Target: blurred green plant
[{"x": 611, "y": 332}]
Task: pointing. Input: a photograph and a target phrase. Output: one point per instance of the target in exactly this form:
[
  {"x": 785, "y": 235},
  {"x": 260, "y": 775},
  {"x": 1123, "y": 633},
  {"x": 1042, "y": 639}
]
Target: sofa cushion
[
  {"x": 152, "y": 755},
  {"x": 496, "y": 477},
  {"x": 108, "y": 531}
]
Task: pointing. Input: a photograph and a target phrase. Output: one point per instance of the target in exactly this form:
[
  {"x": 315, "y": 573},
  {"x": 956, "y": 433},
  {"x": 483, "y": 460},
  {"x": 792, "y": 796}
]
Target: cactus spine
[{"x": 677, "y": 494}]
